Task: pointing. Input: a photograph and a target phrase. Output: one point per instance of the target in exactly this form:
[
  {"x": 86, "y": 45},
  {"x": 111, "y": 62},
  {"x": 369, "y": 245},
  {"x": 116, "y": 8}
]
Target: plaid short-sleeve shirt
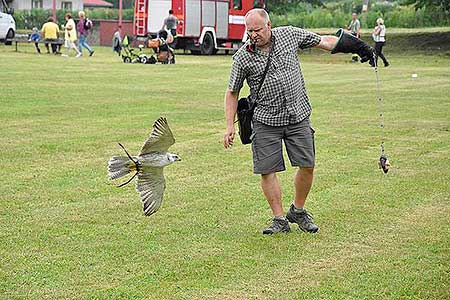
[{"x": 282, "y": 99}]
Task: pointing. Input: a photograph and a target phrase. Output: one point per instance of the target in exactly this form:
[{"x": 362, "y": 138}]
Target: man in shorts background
[{"x": 283, "y": 109}]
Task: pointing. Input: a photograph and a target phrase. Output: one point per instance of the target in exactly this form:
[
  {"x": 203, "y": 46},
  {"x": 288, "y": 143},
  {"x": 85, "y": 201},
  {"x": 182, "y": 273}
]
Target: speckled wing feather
[
  {"x": 151, "y": 185},
  {"x": 160, "y": 139}
]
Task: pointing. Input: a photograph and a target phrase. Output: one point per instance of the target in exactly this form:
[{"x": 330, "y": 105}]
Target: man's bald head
[
  {"x": 258, "y": 13},
  {"x": 258, "y": 26}
]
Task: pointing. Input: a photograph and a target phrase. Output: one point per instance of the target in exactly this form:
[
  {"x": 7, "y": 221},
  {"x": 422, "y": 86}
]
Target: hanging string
[
  {"x": 384, "y": 162},
  {"x": 380, "y": 105}
]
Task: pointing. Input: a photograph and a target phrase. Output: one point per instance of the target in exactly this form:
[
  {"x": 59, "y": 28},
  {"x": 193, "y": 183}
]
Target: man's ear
[{"x": 269, "y": 25}]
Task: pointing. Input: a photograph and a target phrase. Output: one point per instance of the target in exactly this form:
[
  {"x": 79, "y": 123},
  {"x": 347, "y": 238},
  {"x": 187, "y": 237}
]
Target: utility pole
[
  {"x": 120, "y": 17},
  {"x": 54, "y": 12}
]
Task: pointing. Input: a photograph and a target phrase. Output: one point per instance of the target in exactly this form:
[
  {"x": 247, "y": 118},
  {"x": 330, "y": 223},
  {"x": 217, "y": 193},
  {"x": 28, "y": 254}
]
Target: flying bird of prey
[{"x": 148, "y": 166}]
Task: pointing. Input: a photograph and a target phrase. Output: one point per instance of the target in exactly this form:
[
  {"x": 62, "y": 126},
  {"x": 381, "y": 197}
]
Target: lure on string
[{"x": 383, "y": 162}]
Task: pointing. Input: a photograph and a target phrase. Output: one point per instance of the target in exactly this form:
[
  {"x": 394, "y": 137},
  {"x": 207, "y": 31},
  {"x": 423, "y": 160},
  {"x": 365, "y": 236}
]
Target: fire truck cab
[{"x": 204, "y": 26}]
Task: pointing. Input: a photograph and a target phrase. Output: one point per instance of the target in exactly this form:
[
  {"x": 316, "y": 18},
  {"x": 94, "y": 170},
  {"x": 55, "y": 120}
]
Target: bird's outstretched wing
[
  {"x": 151, "y": 185},
  {"x": 160, "y": 139}
]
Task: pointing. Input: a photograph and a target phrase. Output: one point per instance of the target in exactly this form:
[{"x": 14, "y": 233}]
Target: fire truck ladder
[{"x": 140, "y": 18}]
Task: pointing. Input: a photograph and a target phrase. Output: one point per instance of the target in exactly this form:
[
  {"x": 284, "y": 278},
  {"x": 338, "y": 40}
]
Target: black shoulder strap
[{"x": 267, "y": 66}]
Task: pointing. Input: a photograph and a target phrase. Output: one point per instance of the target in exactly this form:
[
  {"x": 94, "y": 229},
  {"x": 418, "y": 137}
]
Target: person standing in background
[
  {"x": 83, "y": 27},
  {"x": 117, "y": 41},
  {"x": 170, "y": 24},
  {"x": 354, "y": 27},
  {"x": 379, "y": 37}
]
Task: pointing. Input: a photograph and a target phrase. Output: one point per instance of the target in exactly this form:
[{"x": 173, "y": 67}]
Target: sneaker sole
[
  {"x": 284, "y": 231},
  {"x": 309, "y": 231}
]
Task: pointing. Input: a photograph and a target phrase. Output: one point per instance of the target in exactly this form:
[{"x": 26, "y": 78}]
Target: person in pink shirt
[{"x": 83, "y": 27}]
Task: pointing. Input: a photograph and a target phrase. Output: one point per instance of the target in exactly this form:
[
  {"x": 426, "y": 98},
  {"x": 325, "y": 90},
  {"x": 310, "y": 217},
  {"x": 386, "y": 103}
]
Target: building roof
[{"x": 96, "y": 3}]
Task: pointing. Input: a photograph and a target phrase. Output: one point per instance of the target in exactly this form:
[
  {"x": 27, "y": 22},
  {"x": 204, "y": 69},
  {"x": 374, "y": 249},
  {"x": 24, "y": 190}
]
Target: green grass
[{"x": 68, "y": 233}]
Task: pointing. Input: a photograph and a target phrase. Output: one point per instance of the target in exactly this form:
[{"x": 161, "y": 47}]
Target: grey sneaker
[
  {"x": 277, "y": 226},
  {"x": 302, "y": 218}
]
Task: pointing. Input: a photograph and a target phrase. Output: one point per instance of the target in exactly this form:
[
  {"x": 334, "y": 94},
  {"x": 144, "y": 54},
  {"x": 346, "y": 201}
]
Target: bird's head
[{"x": 173, "y": 157}]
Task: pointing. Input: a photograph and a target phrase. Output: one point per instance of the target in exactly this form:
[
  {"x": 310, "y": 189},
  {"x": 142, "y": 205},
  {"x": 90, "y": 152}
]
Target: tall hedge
[
  {"x": 338, "y": 14},
  {"x": 27, "y": 19}
]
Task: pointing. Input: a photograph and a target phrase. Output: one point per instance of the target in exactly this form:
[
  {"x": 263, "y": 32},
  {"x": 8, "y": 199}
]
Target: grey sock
[
  {"x": 298, "y": 210},
  {"x": 283, "y": 218}
]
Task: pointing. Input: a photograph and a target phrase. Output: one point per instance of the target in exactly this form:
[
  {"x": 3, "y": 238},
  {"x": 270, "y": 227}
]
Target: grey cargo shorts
[{"x": 268, "y": 149}]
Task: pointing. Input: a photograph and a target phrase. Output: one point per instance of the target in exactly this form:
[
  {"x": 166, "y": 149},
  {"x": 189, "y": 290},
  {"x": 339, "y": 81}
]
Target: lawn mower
[{"x": 130, "y": 55}]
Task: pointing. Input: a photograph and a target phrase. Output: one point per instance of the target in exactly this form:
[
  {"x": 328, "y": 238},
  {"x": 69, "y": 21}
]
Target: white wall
[{"x": 47, "y": 4}]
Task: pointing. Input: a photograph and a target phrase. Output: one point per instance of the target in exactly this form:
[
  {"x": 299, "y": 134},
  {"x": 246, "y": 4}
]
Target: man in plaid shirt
[{"x": 283, "y": 108}]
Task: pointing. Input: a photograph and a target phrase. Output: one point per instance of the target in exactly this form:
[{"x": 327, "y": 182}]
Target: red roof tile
[{"x": 98, "y": 3}]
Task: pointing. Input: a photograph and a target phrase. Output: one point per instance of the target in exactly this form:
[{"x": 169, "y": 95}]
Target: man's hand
[
  {"x": 228, "y": 138},
  {"x": 231, "y": 100}
]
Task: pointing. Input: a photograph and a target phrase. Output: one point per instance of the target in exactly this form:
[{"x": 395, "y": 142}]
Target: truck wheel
[
  {"x": 9, "y": 37},
  {"x": 207, "y": 46}
]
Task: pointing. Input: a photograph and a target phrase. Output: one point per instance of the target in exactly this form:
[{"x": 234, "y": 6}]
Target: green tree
[
  {"x": 125, "y": 3},
  {"x": 294, "y": 2},
  {"x": 284, "y": 6},
  {"x": 444, "y": 5}
]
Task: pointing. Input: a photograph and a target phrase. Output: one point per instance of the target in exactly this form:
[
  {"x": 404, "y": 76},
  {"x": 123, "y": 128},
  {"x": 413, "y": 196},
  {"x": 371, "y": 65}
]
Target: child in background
[
  {"x": 117, "y": 41},
  {"x": 35, "y": 37}
]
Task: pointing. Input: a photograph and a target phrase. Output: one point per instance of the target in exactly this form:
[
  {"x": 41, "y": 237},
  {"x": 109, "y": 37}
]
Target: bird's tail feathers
[{"x": 119, "y": 166}]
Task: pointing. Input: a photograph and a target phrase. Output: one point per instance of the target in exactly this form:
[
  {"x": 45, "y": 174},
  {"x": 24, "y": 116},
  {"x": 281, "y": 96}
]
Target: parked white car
[{"x": 7, "y": 27}]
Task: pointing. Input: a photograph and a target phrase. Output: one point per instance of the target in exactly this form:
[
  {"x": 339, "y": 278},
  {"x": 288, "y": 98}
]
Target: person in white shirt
[{"x": 379, "y": 36}]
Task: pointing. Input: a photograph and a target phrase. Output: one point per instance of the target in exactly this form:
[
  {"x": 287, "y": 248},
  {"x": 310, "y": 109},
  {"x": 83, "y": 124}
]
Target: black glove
[{"x": 347, "y": 43}]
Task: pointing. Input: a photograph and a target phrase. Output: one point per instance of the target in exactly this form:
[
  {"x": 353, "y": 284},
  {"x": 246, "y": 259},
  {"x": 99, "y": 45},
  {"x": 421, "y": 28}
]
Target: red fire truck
[{"x": 204, "y": 27}]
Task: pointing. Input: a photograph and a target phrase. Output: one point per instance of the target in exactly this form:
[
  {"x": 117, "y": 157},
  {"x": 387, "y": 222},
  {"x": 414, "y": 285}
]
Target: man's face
[
  {"x": 257, "y": 30},
  {"x": 354, "y": 16}
]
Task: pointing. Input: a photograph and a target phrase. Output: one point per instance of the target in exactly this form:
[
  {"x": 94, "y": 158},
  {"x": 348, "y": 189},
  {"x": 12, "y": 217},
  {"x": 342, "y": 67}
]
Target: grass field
[{"x": 68, "y": 233}]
